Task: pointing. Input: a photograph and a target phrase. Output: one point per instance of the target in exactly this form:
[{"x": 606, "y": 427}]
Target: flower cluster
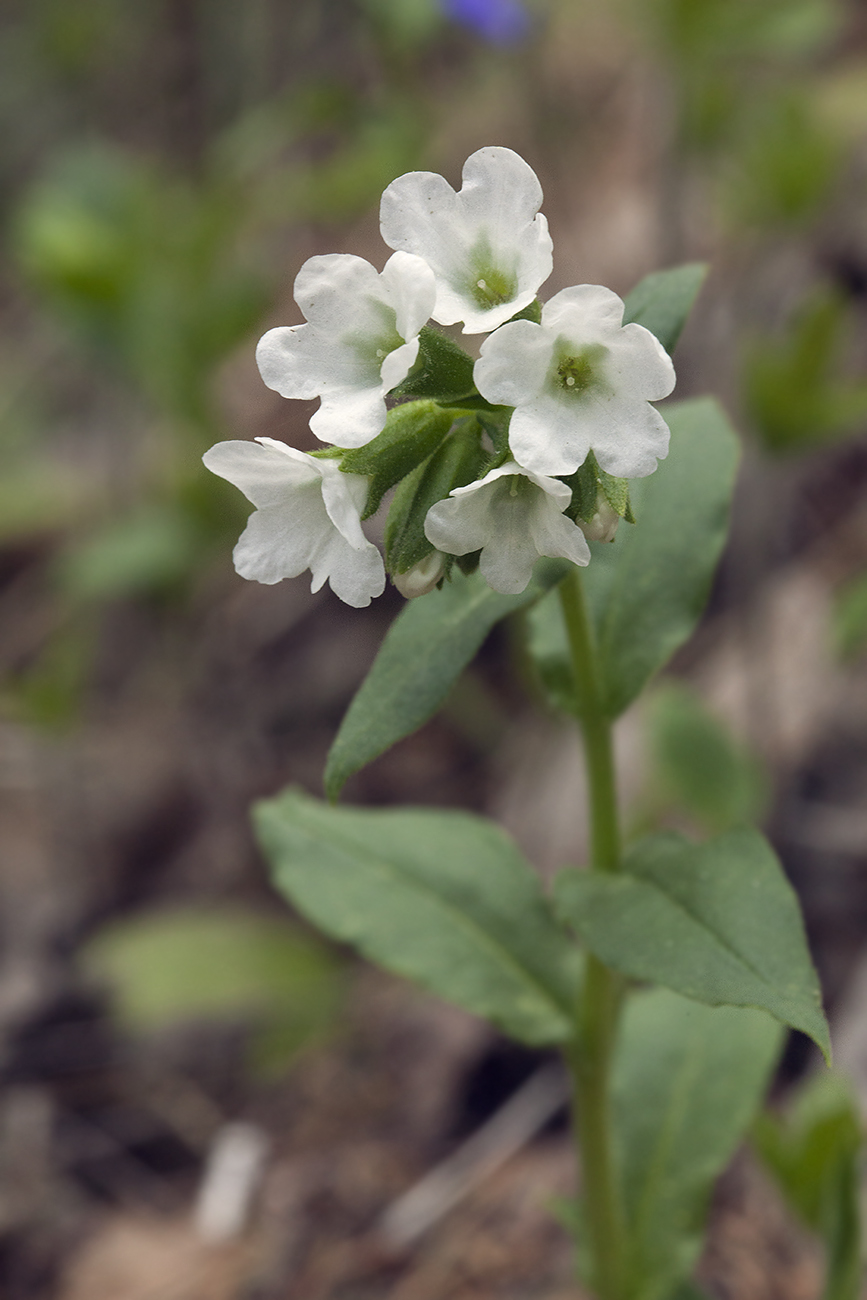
[{"x": 495, "y": 463}]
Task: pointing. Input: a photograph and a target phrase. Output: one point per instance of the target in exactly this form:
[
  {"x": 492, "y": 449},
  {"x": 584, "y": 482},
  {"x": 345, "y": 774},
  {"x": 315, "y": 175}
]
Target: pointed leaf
[
  {"x": 688, "y": 1080},
  {"x": 445, "y": 899},
  {"x": 647, "y": 589},
  {"x": 718, "y": 922},
  {"x": 424, "y": 652},
  {"x": 661, "y": 302}
]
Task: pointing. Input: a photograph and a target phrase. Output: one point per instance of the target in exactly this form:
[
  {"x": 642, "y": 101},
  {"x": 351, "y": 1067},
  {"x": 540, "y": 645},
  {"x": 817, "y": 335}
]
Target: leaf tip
[{"x": 333, "y": 781}]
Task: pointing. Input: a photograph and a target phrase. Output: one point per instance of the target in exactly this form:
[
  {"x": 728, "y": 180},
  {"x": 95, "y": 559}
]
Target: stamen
[
  {"x": 570, "y": 381},
  {"x": 481, "y": 284}
]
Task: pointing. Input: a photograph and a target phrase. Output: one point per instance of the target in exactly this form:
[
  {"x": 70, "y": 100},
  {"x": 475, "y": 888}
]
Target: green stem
[{"x": 597, "y": 1013}]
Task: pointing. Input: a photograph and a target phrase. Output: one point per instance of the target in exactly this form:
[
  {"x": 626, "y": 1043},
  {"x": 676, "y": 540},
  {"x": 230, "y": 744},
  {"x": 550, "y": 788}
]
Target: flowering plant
[{"x": 667, "y": 969}]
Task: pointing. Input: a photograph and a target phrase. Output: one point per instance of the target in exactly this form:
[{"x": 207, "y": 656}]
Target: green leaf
[
  {"x": 687, "y": 1082},
  {"x": 442, "y": 369},
  {"x": 647, "y": 589},
  {"x": 689, "y": 1291},
  {"x": 718, "y": 922},
  {"x": 412, "y": 432},
  {"x": 814, "y": 1152},
  {"x": 849, "y": 618},
  {"x": 696, "y": 761},
  {"x": 454, "y": 463},
  {"x": 445, "y": 899},
  {"x": 425, "y": 650},
  {"x": 168, "y": 967},
  {"x": 662, "y": 301}
]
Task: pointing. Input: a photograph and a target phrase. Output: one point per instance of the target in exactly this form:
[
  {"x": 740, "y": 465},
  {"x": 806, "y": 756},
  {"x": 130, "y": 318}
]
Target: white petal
[
  {"x": 398, "y": 364},
  {"x": 630, "y": 445},
  {"x": 344, "y": 496},
  {"x": 640, "y": 365},
  {"x": 355, "y": 576},
  {"x": 552, "y": 487},
  {"x": 478, "y": 320},
  {"x": 418, "y": 215},
  {"x": 459, "y": 525},
  {"x": 507, "y": 561},
  {"x": 513, "y": 364},
  {"x": 350, "y": 417},
  {"x": 590, "y": 310},
  {"x": 266, "y": 471},
  {"x": 279, "y": 542},
  {"x": 550, "y": 436},
  {"x": 290, "y": 361},
  {"x": 496, "y": 210},
  {"x": 500, "y": 191},
  {"x": 332, "y": 288},
  {"x": 410, "y": 287},
  {"x": 555, "y": 535}
]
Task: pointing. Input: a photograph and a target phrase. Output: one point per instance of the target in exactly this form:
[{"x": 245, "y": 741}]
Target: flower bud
[
  {"x": 422, "y": 577},
  {"x": 602, "y": 525}
]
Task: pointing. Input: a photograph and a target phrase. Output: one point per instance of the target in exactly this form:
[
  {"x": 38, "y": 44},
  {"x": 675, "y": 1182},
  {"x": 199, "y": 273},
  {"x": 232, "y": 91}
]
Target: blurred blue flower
[{"x": 503, "y": 22}]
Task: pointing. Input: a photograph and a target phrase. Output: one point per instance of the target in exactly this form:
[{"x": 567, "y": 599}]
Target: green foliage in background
[
  {"x": 814, "y": 1151},
  {"x": 849, "y": 627},
  {"x": 145, "y": 268},
  {"x": 696, "y": 764},
  {"x": 795, "y": 387},
  {"x": 167, "y": 968}
]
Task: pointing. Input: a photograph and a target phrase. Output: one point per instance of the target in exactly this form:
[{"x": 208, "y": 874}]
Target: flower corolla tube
[
  {"x": 307, "y": 516},
  {"x": 580, "y": 381},
  {"x": 488, "y": 245},
  {"x": 513, "y": 516},
  {"x": 360, "y": 340}
]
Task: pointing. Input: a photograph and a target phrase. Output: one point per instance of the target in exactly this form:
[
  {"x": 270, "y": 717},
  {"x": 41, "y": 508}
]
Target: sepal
[
  {"x": 411, "y": 433},
  {"x": 533, "y": 312},
  {"x": 594, "y": 490},
  {"x": 442, "y": 369},
  {"x": 456, "y": 462}
]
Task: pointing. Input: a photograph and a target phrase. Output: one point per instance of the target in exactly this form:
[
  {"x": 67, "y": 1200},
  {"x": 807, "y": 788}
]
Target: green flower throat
[{"x": 579, "y": 372}]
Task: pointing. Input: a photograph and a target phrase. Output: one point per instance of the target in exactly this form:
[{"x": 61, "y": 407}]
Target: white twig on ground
[
  {"x": 232, "y": 1175},
  {"x": 506, "y": 1132}
]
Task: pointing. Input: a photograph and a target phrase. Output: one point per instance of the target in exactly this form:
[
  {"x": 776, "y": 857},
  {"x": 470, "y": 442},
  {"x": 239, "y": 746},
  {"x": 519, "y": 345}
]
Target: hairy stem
[{"x": 596, "y": 1018}]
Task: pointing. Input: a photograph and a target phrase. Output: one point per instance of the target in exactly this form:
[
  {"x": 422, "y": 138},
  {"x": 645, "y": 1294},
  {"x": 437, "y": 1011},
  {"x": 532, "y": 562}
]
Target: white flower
[
  {"x": 603, "y": 523},
  {"x": 579, "y": 382},
  {"x": 422, "y": 577},
  {"x": 488, "y": 245},
  {"x": 514, "y": 516},
  {"x": 307, "y": 517},
  {"x": 360, "y": 341}
]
